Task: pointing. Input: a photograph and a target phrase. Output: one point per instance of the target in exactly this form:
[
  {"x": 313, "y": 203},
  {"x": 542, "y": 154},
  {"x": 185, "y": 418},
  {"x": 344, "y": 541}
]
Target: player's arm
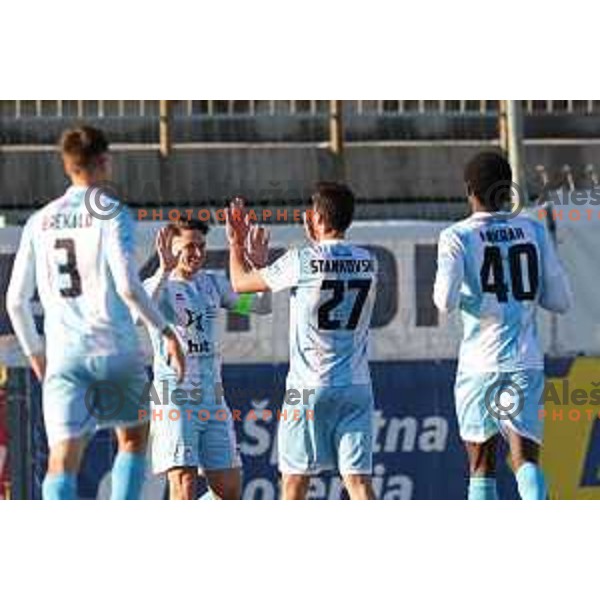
[
  {"x": 21, "y": 291},
  {"x": 244, "y": 276},
  {"x": 243, "y": 304},
  {"x": 120, "y": 254},
  {"x": 155, "y": 284},
  {"x": 556, "y": 294},
  {"x": 450, "y": 272}
]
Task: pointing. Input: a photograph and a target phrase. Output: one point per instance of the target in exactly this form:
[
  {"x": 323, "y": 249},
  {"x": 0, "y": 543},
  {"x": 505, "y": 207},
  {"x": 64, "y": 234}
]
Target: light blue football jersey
[
  {"x": 193, "y": 307},
  {"x": 332, "y": 293},
  {"x": 498, "y": 270},
  {"x": 79, "y": 261}
]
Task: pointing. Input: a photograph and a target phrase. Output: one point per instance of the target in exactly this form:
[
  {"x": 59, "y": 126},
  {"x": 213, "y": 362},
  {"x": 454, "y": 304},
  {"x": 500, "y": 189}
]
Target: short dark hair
[
  {"x": 191, "y": 225},
  {"x": 84, "y": 145},
  {"x": 489, "y": 177},
  {"x": 335, "y": 201}
]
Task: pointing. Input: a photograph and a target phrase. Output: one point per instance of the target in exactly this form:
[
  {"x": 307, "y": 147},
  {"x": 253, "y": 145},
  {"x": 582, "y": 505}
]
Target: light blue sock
[
  {"x": 482, "y": 488},
  {"x": 128, "y": 474},
  {"x": 531, "y": 482},
  {"x": 60, "y": 486}
]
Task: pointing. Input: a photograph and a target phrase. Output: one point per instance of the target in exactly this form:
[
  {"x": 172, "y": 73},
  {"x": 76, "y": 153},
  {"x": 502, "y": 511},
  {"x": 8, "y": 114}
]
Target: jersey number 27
[{"x": 340, "y": 288}]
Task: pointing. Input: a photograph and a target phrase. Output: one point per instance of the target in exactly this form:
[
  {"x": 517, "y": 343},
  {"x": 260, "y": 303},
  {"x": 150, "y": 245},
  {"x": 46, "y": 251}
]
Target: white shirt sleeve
[
  {"x": 21, "y": 291},
  {"x": 450, "y": 272},
  {"x": 120, "y": 246},
  {"x": 284, "y": 273},
  {"x": 556, "y": 294}
]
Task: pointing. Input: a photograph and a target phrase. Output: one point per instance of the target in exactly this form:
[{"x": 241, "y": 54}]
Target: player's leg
[
  {"x": 64, "y": 461},
  {"x": 524, "y": 434},
  {"x": 225, "y": 484},
  {"x": 360, "y": 487},
  {"x": 175, "y": 447},
  {"x": 294, "y": 486},
  {"x": 121, "y": 384},
  {"x": 129, "y": 468},
  {"x": 68, "y": 422},
  {"x": 304, "y": 441},
  {"x": 219, "y": 454},
  {"x": 530, "y": 478},
  {"x": 479, "y": 431},
  {"x": 183, "y": 483},
  {"x": 482, "y": 469},
  {"x": 353, "y": 439}
]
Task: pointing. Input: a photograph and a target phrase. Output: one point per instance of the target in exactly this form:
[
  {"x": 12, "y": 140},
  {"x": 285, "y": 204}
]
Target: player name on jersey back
[
  {"x": 342, "y": 265},
  {"x": 496, "y": 235},
  {"x": 67, "y": 220}
]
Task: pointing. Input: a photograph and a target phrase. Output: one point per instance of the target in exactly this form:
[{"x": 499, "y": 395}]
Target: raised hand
[
  {"x": 164, "y": 247},
  {"x": 257, "y": 246},
  {"x": 237, "y": 222}
]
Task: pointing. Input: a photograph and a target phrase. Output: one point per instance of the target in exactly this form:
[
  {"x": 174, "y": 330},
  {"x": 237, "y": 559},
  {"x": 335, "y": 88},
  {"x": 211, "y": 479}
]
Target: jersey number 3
[
  {"x": 339, "y": 288},
  {"x": 69, "y": 268},
  {"x": 492, "y": 272}
]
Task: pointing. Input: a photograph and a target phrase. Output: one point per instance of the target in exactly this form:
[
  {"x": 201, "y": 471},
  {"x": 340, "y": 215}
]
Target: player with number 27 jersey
[{"x": 332, "y": 290}]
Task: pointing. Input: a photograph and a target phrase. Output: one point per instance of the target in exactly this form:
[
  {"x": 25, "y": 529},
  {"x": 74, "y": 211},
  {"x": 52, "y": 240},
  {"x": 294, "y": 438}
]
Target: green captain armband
[{"x": 244, "y": 304}]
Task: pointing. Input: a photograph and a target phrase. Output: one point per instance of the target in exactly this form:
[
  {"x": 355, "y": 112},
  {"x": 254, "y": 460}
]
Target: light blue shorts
[
  {"x": 191, "y": 434},
  {"x": 83, "y": 394},
  {"x": 333, "y": 429},
  {"x": 491, "y": 403}
]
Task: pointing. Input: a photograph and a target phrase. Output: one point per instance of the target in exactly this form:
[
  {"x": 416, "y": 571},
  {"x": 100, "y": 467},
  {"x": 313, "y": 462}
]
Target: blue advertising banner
[{"x": 418, "y": 454}]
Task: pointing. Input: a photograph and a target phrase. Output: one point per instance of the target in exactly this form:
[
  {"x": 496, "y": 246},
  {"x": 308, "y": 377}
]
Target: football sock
[
  {"x": 128, "y": 474},
  {"x": 482, "y": 488},
  {"x": 531, "y": 482},
  {"x": 59, "y": 486}
]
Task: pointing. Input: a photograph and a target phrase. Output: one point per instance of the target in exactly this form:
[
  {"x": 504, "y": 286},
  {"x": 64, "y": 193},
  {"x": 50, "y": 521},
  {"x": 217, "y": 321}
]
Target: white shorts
[
  {"x": 83, "y": 394},
  {"x": 489, "y": 403},
  {"x": 192, "y": 435}
]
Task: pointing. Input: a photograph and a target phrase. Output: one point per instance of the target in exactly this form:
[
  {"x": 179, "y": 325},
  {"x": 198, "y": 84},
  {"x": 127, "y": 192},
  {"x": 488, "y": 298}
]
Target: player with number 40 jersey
[{"x": 497, "y": 268}]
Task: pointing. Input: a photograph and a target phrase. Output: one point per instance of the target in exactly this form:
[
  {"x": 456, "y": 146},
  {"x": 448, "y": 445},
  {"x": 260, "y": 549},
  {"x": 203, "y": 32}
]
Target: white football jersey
[
  {"x": 77, "y": 263},
  {"x": 332, "y": 296},
  {"x": 498, "y": 269},
  {"x": 193, "y": 307}
]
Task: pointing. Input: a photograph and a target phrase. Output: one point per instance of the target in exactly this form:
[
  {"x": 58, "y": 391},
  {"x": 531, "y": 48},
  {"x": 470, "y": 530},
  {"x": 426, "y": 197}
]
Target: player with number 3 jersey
[{"x": 81, "y": 264}]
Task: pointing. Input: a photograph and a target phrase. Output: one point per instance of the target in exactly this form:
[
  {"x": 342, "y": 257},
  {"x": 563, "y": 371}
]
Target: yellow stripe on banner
[{"x": 570, "y": 454}]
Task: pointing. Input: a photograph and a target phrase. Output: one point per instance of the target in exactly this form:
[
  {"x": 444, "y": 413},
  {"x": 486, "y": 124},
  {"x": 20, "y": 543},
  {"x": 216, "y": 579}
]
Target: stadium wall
[{"x": 200, "y": 174}]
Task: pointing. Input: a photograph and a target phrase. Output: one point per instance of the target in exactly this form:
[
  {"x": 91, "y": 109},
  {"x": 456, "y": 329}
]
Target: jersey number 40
[{"x": 523, "y": 267}]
